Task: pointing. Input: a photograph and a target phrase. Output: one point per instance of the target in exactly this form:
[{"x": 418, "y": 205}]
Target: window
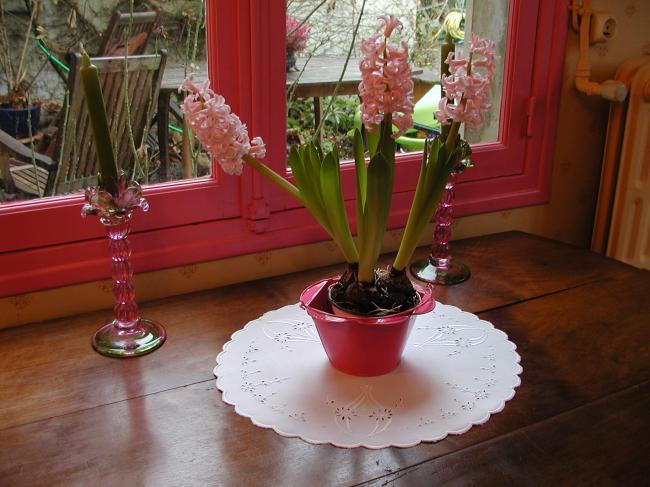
[
  {"x": 510, "y": 172},
  {"x": 222, "y": 216}
]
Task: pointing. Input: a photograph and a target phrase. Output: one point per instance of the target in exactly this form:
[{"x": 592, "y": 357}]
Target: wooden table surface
[
  {"x": 581, "y": 323},
  {"x": 318, "y": 79},
  {"x": 322, "y": 73}
]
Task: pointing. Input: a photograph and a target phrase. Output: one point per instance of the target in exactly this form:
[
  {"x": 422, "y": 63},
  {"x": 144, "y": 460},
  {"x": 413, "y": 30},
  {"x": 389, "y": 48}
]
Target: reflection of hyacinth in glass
[
  {"x": 386, "y": 86},
  {"x": 220, "y": 131},
  {"x": 467, "y": 88}
]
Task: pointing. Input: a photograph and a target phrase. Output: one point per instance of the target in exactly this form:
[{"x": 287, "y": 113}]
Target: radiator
[{"x": 622, "y": 221}]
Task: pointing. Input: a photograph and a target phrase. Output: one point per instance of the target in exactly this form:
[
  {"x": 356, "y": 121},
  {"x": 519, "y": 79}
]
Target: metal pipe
[{"x": 610, "y": 89}]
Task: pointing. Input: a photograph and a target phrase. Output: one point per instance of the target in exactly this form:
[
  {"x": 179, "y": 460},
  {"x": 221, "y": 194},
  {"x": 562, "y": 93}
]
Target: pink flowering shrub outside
[{"x": 296, "y": 40}]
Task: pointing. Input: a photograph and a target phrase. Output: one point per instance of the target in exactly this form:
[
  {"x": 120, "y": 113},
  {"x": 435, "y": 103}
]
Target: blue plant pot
[{"x": 15, "y": 121}]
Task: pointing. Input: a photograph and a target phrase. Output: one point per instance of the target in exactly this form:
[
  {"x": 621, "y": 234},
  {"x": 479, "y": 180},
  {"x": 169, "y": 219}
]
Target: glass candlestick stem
[
  {"x": 127, "y": 335},
  {"x": 439, "y": 267}
]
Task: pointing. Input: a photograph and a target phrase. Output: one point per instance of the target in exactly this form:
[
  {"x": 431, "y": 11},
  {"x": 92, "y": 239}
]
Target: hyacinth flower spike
[{"x": 466, "y": 89}]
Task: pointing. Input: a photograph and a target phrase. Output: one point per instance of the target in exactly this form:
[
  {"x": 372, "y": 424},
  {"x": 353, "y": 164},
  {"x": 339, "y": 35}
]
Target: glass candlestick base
[
  {"x": 127, "y": 335},
  {"x": 439, "y": 267},
  {"x": 431, "y": 270},
  {"x": 112, "y": 340}
]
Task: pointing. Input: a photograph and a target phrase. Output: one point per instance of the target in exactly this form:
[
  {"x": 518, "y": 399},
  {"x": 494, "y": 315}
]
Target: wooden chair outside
[
  {"x": 140, "y": 27},
  {"x": 75, "y": 166}
]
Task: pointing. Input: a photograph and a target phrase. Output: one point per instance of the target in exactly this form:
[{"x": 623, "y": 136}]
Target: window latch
[
  {"x": 530, "y": 112},
  {"x": 259, "y": 214}
]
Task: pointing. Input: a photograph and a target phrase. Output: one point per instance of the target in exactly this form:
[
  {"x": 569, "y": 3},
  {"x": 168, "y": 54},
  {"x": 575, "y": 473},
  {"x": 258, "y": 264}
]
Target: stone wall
[{"x": 332, "y": 25}]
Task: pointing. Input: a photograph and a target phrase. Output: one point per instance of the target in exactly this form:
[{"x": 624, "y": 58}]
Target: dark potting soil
[{"x": 392, "y": 292}]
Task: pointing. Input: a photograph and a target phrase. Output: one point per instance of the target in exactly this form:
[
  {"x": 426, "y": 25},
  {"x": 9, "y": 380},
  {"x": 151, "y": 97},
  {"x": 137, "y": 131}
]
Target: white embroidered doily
[{"x": 456, "y": 370}]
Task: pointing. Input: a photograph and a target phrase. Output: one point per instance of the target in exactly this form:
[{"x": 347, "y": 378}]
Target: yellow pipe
[{"x": 610, "y": 89}]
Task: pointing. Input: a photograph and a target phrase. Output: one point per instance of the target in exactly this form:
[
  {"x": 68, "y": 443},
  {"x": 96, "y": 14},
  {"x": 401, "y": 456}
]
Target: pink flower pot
[{"x": 359, "y": 345}]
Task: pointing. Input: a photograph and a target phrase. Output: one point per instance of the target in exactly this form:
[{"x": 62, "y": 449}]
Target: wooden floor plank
[
  {"x": 576, "y": 346},
  {"x": 48, "y": 369},
  {"x": 602, "y": 443}
]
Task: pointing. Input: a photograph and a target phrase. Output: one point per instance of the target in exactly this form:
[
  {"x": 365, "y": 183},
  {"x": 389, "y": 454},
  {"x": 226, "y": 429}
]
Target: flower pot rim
[{"x": 426, "y": 304}]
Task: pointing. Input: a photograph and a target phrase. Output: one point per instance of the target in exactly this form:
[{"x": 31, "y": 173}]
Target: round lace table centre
[{"x": 456, "y": 371}]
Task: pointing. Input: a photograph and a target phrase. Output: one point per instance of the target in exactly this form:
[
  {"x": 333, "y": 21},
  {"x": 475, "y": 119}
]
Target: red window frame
[{"x": 46, "y": 244}]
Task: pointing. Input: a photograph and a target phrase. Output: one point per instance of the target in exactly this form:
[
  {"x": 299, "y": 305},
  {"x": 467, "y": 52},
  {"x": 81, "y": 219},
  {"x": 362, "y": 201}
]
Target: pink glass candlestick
[
  {"x": 127, "y": 335},
  {"x": 439, "y": 267}
]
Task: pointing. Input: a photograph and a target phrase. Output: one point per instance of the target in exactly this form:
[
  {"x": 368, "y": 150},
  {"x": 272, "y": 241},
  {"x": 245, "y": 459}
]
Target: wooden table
[
  {"x": 581, "y": 416},
  {"x": 318, "y": 76}
]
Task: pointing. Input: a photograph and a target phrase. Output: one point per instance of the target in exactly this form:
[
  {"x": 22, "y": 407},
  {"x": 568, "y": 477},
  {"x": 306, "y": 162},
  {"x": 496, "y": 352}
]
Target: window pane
[
  {"x": 53, "y": 156},
  {"x": 319, "y": 38}
]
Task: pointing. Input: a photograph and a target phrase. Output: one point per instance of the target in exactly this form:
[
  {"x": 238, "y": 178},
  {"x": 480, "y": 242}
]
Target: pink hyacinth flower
[
  {"x": 467, "y": 88},
  {"x": 386, "y": 86},
  {"x": 220, "y": 131}
]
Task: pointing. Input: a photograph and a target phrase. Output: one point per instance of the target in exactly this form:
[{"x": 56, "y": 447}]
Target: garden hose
[{"x": 51, "y": 56}]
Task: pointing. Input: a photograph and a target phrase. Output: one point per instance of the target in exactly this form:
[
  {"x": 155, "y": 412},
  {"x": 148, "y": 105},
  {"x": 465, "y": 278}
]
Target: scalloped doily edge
[{"x": 314, "y": 441}]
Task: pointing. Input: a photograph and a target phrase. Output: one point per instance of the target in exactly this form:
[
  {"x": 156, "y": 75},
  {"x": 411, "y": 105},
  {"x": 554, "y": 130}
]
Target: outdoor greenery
[{"x": 338, "y": 123}]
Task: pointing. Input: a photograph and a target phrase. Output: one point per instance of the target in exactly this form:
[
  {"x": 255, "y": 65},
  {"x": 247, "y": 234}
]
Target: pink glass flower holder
[
  {"x": 439, "y": 267},
  {"x": 127, "y": 335}
]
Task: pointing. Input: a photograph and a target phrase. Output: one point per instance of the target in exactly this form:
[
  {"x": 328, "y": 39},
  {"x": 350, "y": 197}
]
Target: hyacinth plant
[{"x": 386, "y": 91}]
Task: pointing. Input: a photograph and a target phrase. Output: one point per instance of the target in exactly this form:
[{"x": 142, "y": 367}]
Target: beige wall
[{"x": 567, "y": 217}]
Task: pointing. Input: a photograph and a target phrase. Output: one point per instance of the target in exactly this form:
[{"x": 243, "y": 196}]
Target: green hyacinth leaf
[
  {"x": 310, "y": 195},
  {"x": 376, "y": 212},
  {"x": 361, "y": 180},
  {"x": 334, "y": 205},
  {"x": 372, "y": 141},
  {"x": 434, "y": 172}
]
